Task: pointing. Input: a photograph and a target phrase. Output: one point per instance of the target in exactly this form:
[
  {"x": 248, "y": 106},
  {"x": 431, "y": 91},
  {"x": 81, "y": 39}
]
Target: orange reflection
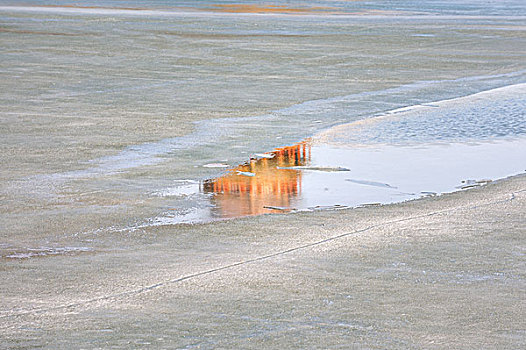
[
  {"x": 250, "y": 8},
  {"x": 259, "y": 185}
]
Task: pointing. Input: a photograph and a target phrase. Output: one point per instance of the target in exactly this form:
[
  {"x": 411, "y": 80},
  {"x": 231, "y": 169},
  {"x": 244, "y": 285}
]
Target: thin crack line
[{"x": 510, "y": 198}]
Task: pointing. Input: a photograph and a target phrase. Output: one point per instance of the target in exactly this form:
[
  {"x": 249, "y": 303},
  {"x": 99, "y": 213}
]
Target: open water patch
[{"x": 422, "y": 150}]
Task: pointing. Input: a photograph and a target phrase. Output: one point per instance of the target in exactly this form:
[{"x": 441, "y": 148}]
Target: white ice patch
[
  {"x": 183, "y": 188},
  {"x": 215, "y": 165},
  {"x": 46, "y": 251}
]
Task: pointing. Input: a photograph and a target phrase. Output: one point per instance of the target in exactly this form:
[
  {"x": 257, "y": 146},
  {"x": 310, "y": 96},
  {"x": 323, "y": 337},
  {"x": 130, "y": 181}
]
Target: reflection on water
[
  {"x": 260, "y": 186},
  {"x": 255, "y": 8}
]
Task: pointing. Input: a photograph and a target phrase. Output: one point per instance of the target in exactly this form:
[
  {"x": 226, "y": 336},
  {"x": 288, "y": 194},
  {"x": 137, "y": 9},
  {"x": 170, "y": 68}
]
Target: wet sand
[{"x": 441, "y": 272}]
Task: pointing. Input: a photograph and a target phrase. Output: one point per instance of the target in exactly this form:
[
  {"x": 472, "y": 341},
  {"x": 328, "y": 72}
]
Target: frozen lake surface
[
  {"x": 116, "y": 114},
  {"x": 131, "y": 132}
]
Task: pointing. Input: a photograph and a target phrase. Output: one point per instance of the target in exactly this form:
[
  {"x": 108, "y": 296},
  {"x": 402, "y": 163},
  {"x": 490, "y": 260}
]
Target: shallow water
[{"x": 113, "y": 119}]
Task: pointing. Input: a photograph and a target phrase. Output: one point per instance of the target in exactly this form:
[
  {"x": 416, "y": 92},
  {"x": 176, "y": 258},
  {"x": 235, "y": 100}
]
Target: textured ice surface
[
  {"x": 480, "y": 117},
  {"x": 96, "y": 138}
]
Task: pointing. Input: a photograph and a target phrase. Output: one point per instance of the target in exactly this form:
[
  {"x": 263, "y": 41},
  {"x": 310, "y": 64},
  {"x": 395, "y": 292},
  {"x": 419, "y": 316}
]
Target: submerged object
[
  {"x": 245, "y": 173},
  {"x": 429, "y": 193},
  {"x": 328, "y": 207},
  {"x": 215, "y": 165},
  {"x": 370, "y": 183},
  {"x": 473, "y": 183},
  {"x": 278, "y": 208},
  {"x": 264, "y": 155}
]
